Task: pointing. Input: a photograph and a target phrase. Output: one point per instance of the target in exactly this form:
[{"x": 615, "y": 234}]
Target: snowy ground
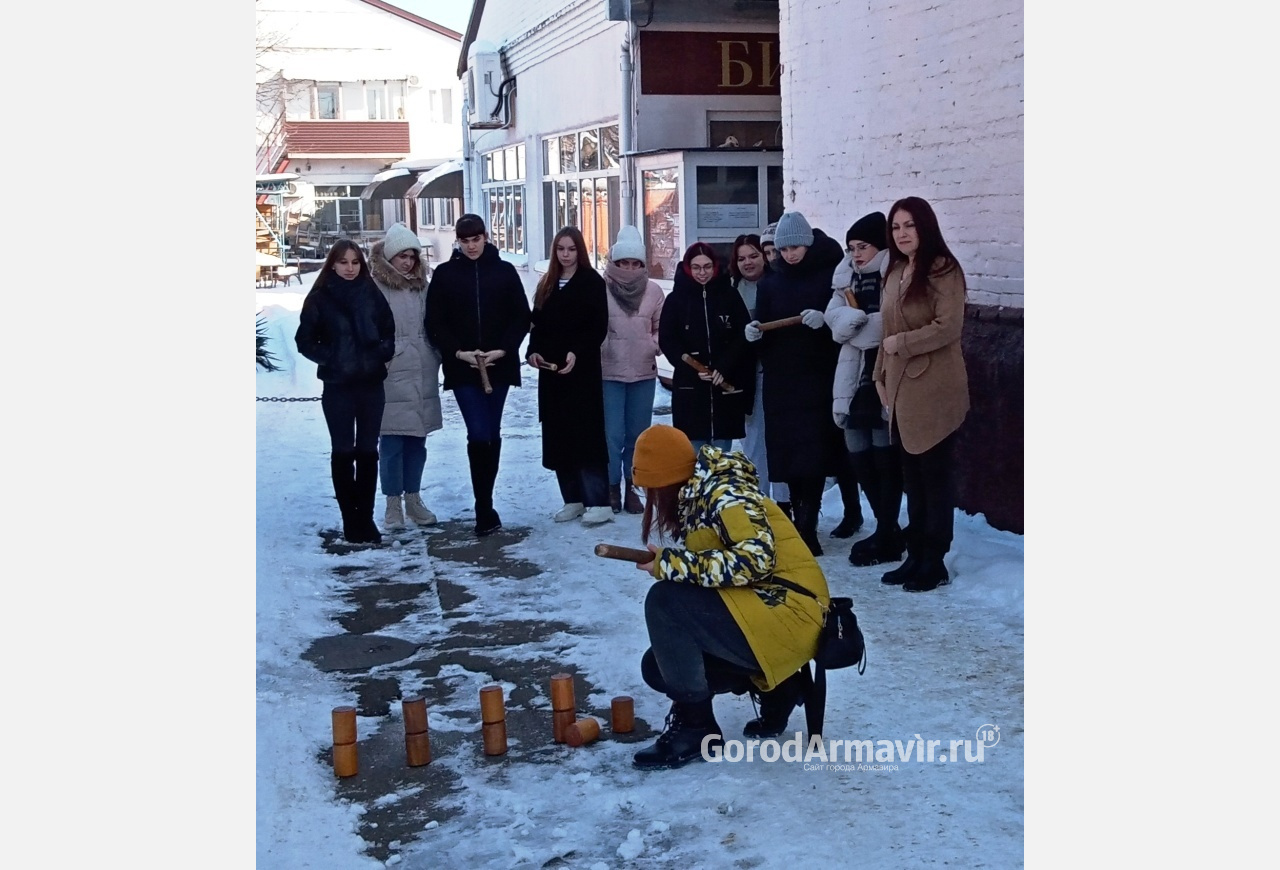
[{"x": 941, "y": 666}]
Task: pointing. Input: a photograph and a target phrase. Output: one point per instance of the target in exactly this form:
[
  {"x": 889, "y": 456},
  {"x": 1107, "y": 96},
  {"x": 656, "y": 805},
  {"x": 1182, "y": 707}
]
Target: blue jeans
[
  {"x": 628, "y": 411},
  {"x": 858, "y": 440},
  {"x": 402, "y": 459},
  {"x": 482, "y": 412}
]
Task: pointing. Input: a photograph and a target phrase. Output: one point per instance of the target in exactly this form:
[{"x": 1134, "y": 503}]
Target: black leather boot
[
  {"x": 847, "y": 480},
  {"x": 929, "y": 574},
  {"x": 342, "y": 470},
  {"x": 483, "y": 458},
  {"x": 681, "y": 741},
  {"x": 364, "y": 491},
  {"x": 879, "y": 472},
  {"x": 776, "y": 707}
]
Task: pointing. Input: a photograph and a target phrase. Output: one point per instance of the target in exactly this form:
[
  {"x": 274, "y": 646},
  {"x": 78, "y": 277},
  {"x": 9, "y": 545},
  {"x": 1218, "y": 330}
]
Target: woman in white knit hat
[
  {"x": 629, "y": 360},
  {"x": 413, "y": 378}
]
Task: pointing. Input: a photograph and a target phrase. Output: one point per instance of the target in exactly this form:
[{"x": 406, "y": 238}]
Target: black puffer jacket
[
  {"x": 477, "y": 305},
  {"x": 799, "y": 366},
  {"x": 574, "y": 318},
  {"x": 707, "y": 323},
  {"x": 348, "y": 330}
]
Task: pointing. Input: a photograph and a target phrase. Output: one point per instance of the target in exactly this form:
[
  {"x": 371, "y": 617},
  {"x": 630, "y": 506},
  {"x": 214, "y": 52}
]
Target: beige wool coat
[
  {"x": 923, "y": 382},
  {"x": 413, "y": 376}
]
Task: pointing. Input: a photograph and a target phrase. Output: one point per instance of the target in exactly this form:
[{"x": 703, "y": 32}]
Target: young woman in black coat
[
  {"x": 704, "y": 317},
  {"x": 478, "y": 314},
  {"x": 347, "y": 329},
  {"x": 570, "y": 322},
  {"x": 804, "y": 444}
]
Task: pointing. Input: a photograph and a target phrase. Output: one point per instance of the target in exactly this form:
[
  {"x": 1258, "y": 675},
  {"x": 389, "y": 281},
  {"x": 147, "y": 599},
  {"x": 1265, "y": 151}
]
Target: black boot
[
  {"x": 847, "y": 480},
  {"x": 483, "y": 459},
  {"x": 930, "y": 573},
  {"x": 364, "y": 491},
  {"x": 342, "y": 470},
  {"x": 785, "y": 507},
  {"x": 903, "y": 572},
  {"x": 806, "y": 499},
  {"x": 776, "y": 707},
  {"x": 880, "y": 474},
  {"x": 681, "y": 739}
]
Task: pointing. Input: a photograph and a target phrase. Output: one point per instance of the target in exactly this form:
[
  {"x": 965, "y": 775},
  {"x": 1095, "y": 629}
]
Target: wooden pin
[
  {"x": 494, "y": 716},
  {"x": 417, "y": 742},
  {"x": 622, "y": 715},
  {"x": 582, "y": 731},
  {"x": 346, "y": 761},
  {"x": 562, "y": 705},
  {"x": 483, "y": 364}
]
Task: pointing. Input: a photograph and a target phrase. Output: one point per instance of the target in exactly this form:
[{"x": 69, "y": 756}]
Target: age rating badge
[{"x": 989, "y": 735}]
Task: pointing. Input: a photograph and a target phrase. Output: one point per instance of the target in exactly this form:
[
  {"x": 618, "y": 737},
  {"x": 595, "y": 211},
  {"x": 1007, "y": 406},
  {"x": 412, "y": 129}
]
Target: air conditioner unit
[
  {"x": 484, "y": 82},
  {"x": 413, "y": 81}
]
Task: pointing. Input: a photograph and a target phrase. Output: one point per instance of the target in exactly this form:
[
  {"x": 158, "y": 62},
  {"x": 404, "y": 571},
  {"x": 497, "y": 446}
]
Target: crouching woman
[{"x": 718, "y": 619}]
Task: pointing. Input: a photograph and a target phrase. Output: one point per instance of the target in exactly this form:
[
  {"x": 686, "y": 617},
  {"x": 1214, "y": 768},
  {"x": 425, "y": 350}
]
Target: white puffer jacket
[
  {"x": 854, "y": 330},
  {"x": 413, "y": 376}
]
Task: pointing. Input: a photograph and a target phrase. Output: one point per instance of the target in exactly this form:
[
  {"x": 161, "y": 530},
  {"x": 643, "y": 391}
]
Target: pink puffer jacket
[{"x": 630, "y": 350}]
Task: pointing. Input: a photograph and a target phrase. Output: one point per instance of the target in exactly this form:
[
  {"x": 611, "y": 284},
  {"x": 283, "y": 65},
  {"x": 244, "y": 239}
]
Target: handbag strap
[{"x": 794, "y": 586}]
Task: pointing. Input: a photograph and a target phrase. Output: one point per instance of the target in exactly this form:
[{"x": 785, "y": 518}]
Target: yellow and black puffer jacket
[{"x": 736, "y": 540}]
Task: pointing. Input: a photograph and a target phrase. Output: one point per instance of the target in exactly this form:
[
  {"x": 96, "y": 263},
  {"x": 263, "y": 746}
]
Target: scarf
[{"x": 627, "y": 289}]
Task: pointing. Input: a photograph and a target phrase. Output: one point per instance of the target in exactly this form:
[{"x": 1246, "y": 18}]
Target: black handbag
[{"x": 840, "y": 645}]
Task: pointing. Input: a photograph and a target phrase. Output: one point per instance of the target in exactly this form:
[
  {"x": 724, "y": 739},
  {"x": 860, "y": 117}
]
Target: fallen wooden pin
[{"x": 702, "y": 370}]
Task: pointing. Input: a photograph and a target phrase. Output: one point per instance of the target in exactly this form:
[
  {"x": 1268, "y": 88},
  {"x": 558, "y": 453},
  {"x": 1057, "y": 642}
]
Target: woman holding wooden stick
[
  {"x": 724, "y": 615},
  {"x": 570, "y": 320},
  {"x": 703, "y": 318},
  {"x": 804, "y": 445}
]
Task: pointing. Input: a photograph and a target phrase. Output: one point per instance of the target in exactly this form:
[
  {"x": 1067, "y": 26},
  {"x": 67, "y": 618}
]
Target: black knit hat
[
  {"x": 870, "y": 229},
  {"x": 469, "y": 225}
]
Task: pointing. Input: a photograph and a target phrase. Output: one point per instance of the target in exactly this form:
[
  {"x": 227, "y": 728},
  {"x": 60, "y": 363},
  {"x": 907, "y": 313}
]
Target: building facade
[{"x": 348, "y": 89}]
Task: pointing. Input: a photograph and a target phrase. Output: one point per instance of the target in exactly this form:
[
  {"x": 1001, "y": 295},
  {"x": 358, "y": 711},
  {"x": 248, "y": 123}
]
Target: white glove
[
  {"x": 753, "y": 332},
  {"x": 812, "y": 318}
]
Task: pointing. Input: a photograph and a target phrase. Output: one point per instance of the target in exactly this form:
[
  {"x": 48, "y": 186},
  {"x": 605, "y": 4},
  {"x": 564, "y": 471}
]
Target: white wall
[{"x": 889, "y": 99}]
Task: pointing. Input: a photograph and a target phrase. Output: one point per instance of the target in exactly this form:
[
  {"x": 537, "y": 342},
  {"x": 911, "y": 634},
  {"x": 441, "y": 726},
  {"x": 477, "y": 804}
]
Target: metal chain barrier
[{"x": 288, "y": 398}]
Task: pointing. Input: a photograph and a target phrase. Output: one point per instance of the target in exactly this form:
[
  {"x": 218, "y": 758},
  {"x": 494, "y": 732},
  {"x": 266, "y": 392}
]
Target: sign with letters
[{"x": 683, "y": 62}]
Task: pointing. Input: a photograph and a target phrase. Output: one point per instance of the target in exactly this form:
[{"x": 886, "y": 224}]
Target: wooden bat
[
  {"x": 549, "y": 366},
  {"x": 482, "y": 364},
  {"x": 849, "y": 297},
  {"x": 701, "y": 369},
  {"x": 624, "y": 554},
  {"x": 778, "y": 324}
]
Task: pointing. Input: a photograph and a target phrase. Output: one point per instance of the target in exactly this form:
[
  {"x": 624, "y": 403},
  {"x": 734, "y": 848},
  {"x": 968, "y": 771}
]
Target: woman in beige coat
[
  {"x": 413, "y": 378},
  {"x": 921, "y": 378}
]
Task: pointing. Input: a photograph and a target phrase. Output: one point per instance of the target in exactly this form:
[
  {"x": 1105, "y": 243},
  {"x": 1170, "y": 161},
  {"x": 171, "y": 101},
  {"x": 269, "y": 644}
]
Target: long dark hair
[
  {"x": 551, "y": 280},
  {"x": 752, "y": 239},
  {"x": 661, "y": 509},
  {"x": 701, "y": 249},
  {"x": 336, "y": 253},
  {"x": 933, "y": 257}
]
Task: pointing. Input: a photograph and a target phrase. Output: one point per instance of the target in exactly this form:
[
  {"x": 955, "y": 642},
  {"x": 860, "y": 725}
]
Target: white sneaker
[
  {"x": 571, "y": 511},
  {"x": 594, "y": 516},
  {"x": 417, "y": 511},
  {"x": 394, "y": 517}
]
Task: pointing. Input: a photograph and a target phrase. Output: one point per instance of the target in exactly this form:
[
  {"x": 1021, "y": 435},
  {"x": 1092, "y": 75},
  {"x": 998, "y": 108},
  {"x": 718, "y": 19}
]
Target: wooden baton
[
  {"x": 481, "y": 363},
  {"x": 624, "y": 554},
  {"x": 849, "y": 297},
  {"x": 778, "y": 324},
  {"x": 702, "y": 370}
]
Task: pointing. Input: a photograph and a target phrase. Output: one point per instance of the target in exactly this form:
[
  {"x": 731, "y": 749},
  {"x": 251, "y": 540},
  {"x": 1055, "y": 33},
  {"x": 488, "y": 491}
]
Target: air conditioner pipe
[{"x": 624, "y": 133}]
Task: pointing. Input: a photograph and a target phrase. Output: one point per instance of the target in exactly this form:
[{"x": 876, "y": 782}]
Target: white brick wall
[{"x": 910, "y": 97}]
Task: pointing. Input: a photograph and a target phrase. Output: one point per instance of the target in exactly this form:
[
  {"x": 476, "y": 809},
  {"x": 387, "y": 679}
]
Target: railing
[{"x": 272, "y": 149}]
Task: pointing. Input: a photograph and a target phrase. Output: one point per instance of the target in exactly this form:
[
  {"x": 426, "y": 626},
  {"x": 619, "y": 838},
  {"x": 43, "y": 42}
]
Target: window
[
  {"x": 583, "y": 188},
  {"x": 339, "y": 209},
  {"x": 744, "y": 133},
  {"x": 443, "y": 213},
  {"x": 440, "y": 106},
  {"x": 327, "y": 102},
  {"x": 504, "y": 194},
  {"x": 662, "y": 220},
  {"x": 377, "y": 107}
]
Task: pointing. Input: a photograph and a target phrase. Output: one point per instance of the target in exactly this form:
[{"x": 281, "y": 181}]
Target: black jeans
[
  {"x": 586, "y": 484},
  {"x": 931, "y": 504},
  {"x": 353, "y": 413},
  {"x": 696, "y": 648}
]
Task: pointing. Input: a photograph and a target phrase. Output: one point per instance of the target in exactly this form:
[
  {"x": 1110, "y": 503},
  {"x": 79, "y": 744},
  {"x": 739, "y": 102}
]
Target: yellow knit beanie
[{"x": 663, "y": 456}]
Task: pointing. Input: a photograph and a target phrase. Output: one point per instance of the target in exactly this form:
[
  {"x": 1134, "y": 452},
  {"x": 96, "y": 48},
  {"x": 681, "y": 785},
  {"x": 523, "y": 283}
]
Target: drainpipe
[
  {"x": 466, "y": 156},
  {"x": 624, "y": 130}
]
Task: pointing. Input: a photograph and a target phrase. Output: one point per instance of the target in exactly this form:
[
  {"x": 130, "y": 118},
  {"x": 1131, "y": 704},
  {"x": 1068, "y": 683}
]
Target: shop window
[{"x": 662, "y": 220}]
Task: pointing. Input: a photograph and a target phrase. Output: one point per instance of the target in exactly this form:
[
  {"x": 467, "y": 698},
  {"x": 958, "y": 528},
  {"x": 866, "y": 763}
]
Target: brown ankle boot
[
  {"x": 615, "y": 498},
  {"x": 632, "y": 504}
]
